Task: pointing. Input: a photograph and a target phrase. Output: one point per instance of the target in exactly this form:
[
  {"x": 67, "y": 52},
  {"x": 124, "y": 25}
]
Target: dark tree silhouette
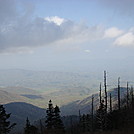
[
  {"x": 92, "y": 113},
  {"x": 53, "y": 121},
  {"x": 100, "y": 117},
  {"x": 119, "y": 94},
  {"x": 127, "y": 95},
  {"x": 105, "y": 85},
  {"x": 110, "y": 101},
  {"x": 30, "y": 129},
  {"x": 58, "y": 124},
  {"x": 5, "y": 126},
  {"x": 50, "y": 116}
]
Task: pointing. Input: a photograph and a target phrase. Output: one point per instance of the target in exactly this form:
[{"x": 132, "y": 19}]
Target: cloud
[
  {"x": 55, "y": 19},
  {"x": 112, "y": 32},
  {"x": 7, "y": 11},
  {"x": 124, "y": 7},
  {"x": 20, "y": 30},
  {"x": 41, "y": 32},
  {"x": 125, "y": 40}
]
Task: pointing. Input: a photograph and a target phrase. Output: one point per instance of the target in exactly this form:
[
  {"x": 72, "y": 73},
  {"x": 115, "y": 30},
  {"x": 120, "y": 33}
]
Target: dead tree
[
  {"x": 110, "y": 103},
  {"x": 119, "y": 93},
  {"x": 92, "y": 113},
  {"x": 105, "y": 85},
  {"x": 105, "y": 115},
  {"x": 127, "y": 95},
  {"x": 100, "y": 94},
  {"x": 132, "y": 97}
]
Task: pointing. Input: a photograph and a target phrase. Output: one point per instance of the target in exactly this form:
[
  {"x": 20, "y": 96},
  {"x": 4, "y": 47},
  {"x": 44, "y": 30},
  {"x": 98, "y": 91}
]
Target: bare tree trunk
[
  {"x": 119, "y": 93},
  {"x": 79, "y": 115},
  {"x": 80, "y": 122},
  {"x": 100, "y": 94},
  {"x": 92, "y": 113},
  {"x": 132, "y": 97},
  {"x": 127, "y": 96},
  {"x": 110, "y": 103},
  {"x": 105, "y": 85}
]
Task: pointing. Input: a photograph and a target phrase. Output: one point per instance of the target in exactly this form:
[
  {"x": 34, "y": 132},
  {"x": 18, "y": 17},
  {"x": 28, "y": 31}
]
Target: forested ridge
[{"x": 110, "y": 116}]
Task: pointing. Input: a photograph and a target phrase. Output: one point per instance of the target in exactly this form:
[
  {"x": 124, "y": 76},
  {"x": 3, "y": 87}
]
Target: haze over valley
[{"x": 70, "y": 61}]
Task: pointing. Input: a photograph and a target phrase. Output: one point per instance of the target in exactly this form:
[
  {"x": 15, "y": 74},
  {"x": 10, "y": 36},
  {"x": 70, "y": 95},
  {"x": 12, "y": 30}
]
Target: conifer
[{"x": 5, "y": 126}]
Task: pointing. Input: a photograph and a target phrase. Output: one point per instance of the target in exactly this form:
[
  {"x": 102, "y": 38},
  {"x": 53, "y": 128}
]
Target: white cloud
[
  {"x": 19, "y": 31},
  {"x": 42, "y": 32},
  {"x": 55, "y": 19},
  {"x": 125, "y": 40},
  {"x": 112, "y": 32}
]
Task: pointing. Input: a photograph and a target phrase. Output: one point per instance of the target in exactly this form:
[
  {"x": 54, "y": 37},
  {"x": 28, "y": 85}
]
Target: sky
[{"x": 67, "y": 35}]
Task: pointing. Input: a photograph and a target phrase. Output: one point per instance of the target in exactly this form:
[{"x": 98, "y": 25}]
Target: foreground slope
[{"x": 20, "y": 111}]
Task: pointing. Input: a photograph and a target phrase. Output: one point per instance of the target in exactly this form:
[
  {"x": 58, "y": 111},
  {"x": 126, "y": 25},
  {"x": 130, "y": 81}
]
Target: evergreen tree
[
  {"x": 50, "y": 116},
  {"x": 5, "y": 126},
  {"x": 58, "y": 124},
  {"x": 30, "y": 129},
  {"x": 53, "y": 122}
]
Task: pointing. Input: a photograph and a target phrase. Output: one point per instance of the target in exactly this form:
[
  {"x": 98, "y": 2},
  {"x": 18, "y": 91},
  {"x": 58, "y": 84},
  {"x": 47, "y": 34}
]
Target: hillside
[
  {"x": 19, "y": 90},
  {"x": 20, "y": 111},
  {"x": 84, "y": 105},
  {"x": 7, "y": 97}
]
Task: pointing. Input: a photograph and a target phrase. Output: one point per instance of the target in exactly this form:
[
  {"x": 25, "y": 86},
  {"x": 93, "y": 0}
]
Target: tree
[
  {"x": 92, "y": 113},
  {"x": 30, "y": 129},
  {"x": 27, "y": 126},
  {"x": 53, "y": 121},
  {"x": 50, "y": 116},
  {"x": 119, "y": 94},
  {"x": 105, "y": 85},
  {"x": 58, "y": 124},
  {"x": 100, "y": 117},
  {"x": 41, "y": 127},
  {"x": 110, "y": 103},
  {"x": 5, "y": 126}
]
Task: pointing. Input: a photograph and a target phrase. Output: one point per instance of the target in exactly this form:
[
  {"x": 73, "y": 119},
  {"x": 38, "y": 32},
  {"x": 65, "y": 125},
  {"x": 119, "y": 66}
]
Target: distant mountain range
[
  {"x": 44, "y": 80},
  {"x": 38, "y": 87}
]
